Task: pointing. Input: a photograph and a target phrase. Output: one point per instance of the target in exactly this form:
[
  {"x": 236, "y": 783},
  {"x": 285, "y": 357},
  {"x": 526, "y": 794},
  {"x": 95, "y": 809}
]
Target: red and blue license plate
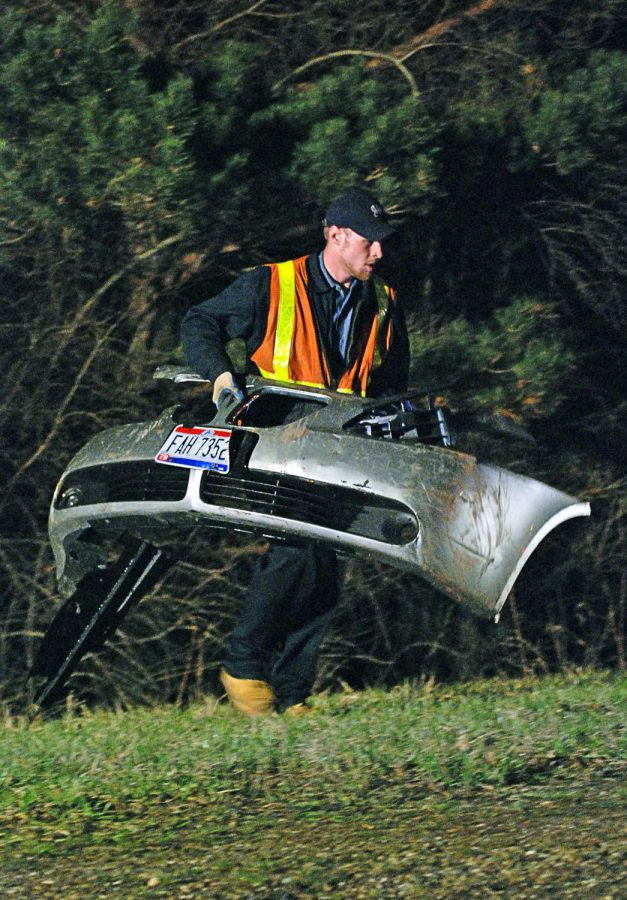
[{"x": 197, "y": 447}]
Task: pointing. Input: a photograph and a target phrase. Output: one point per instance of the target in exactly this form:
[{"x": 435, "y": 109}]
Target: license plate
[{"x": 203, "y": 448}]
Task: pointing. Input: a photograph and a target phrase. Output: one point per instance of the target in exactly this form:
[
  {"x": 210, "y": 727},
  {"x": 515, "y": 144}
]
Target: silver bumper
[{"x": 467, "y": 528}]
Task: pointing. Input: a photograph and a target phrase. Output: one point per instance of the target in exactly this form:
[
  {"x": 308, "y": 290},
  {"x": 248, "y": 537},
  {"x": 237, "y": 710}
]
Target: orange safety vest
[{"x": 290, "y": 350}]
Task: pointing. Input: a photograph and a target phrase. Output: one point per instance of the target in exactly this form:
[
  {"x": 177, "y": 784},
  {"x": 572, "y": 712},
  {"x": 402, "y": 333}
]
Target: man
[{"x": 324, "y": 320}]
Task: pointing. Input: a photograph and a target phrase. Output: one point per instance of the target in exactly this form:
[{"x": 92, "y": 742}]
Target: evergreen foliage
[
  {"x": 346, "y": 129},
  {"x": 517, "y": 363},
  {"x": 581, "y": 122}
]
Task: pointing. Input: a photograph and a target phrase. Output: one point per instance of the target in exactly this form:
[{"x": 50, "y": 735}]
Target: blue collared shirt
[{"x": 343, "y": 314}]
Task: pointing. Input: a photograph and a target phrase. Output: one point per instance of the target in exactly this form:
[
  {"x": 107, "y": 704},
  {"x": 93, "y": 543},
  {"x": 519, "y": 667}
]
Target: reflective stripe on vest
[
  {"x": 384, "y": 296},
  {"x": 285, "y": 320}
]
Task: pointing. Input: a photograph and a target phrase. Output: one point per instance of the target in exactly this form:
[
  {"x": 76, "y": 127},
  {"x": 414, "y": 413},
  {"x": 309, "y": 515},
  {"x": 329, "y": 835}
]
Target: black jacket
[{"x": 241, "y": 311}]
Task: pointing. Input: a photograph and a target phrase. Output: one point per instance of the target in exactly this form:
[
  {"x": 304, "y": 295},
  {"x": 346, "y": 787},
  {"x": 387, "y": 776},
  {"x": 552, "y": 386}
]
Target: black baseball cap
[{"x": 361, "y": 212}]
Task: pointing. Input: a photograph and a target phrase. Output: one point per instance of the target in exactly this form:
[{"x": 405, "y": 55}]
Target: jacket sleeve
[{"x": 239, "y": 311}]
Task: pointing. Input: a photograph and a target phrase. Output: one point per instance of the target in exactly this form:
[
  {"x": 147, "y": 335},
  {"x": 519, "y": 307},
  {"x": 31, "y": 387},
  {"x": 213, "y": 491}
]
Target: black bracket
[{"x": 92, "y": 614}]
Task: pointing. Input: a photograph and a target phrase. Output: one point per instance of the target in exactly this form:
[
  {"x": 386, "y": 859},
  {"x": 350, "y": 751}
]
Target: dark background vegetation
[{"x": 150, "y": 150}]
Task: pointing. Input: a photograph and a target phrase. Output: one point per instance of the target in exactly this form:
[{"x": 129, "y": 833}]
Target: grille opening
[
  {"x": 315, "y": 503},
  {"x": 123, "y": 482}
]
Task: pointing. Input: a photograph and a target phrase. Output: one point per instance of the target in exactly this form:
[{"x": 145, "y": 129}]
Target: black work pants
[{"x": 291, "y": 599}]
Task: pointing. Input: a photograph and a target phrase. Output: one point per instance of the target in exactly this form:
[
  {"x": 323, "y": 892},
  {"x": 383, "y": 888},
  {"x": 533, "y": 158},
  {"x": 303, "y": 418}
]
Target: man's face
[{"x": 358, "y": 254}]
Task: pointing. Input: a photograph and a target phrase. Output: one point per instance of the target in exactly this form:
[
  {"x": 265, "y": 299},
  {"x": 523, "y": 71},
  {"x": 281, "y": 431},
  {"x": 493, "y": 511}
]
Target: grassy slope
[{"x": 485, "y": 789}]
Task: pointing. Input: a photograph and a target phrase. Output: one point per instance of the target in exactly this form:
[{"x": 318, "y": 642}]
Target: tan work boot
[
  {"x": 298, "y": 709},
  {"x": 249, "y": 696}
]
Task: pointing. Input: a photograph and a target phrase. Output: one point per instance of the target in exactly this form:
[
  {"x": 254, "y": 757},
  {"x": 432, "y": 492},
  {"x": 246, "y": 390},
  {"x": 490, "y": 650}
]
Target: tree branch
[
  {"x": 219, "y": 26},
  {"x": 113, "y": 279},
  {"x": 425, "y": 39},
  {"x": 58, "y": 419},
  {"x": 338, "y": 53},
  {"x": 401, "y": 54}
]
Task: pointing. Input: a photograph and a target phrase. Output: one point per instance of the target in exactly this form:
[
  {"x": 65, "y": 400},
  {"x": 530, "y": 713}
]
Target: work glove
[{"x": 224, "y": 387}]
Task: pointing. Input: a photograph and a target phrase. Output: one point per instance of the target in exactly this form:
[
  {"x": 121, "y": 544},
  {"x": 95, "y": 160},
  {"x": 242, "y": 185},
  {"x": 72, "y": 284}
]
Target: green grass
[{"x": 365, "y": 764}]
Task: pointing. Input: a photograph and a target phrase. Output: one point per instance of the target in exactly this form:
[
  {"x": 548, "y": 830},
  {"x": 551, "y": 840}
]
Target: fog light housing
[
  {"x": 70, "y": 498},
  {"x": 407, "y": 533},
  {"x": 400, "y": 529}
]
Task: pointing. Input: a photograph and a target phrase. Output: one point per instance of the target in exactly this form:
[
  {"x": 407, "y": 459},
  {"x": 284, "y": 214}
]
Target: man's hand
[{"x": 225, "y": 385}]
